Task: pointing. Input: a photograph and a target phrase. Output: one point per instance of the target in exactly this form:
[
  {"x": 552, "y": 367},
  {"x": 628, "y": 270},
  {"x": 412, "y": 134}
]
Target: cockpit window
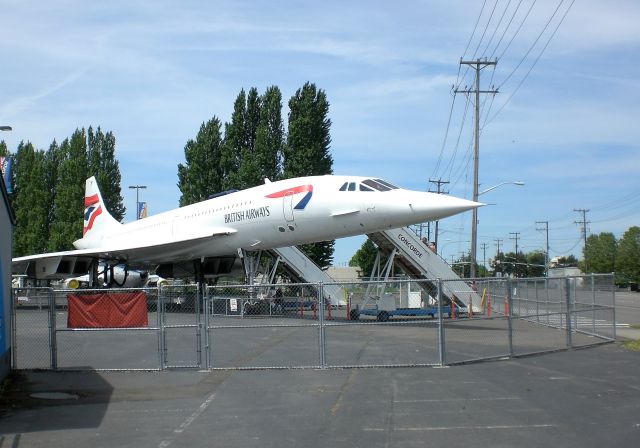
[
  {"x": 387, "y": 184},
  {"x": 375, "y": 185},
  {"x": 365, "y": 188},
  {"x": 352, "y": 186},
  {"x": 344, "y": 186}
]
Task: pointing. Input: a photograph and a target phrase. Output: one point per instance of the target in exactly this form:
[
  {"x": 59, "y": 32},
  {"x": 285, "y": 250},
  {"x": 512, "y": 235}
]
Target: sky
[{"x": 563, "y": 120}]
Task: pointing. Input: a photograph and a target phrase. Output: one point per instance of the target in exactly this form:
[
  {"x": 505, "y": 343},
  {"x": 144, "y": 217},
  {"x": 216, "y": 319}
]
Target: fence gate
[{"x": 180, "y": 326}]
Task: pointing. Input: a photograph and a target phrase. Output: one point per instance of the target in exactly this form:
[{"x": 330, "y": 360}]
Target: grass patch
[
  {"x": 632, "y": 345},
  {"x": 635, "y": 326}
]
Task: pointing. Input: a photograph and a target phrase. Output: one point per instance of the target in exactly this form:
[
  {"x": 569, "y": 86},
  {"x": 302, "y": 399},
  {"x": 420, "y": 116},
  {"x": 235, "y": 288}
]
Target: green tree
[
  {"x": 203, "y": 174},
  {"x": 51, "y": 162},
  {"x": 270, "y": 135},
  {"x": 67, "y": 222},
  {"x": 628, "y": 255},
  {"x": 249, "y": 171},
  {"x": 30, "y": 201},
  {"x": 307, "y": 150},
  {"x": 365, "y": 258},
  {"x": 600, "y": 252},
  {"x": 535, "y": 264},
  {"x": 308, "y": 141},
  {"x": 103, "y": 165},
  {"x": 235, "y": 142}
]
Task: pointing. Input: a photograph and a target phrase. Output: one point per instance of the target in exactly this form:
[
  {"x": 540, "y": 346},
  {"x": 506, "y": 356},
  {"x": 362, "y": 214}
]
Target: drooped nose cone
[
  {"x": 438, "y": 206},
  {"x": 407, "y": 207}
]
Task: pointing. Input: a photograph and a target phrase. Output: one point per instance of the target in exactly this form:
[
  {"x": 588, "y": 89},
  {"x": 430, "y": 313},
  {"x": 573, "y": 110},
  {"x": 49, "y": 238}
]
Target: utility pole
[
  {"x": 477, "y": 65},
  {"x": 497, "y": 241},
  {"x": 515, "y": 237},
  {"x": 515, "y": 265},
  {"x": 484, "y": 255},
  {"x": 439, "y": 183},
  {"x": 584, "y": 223},
  {"x": 546, "y": 256}
]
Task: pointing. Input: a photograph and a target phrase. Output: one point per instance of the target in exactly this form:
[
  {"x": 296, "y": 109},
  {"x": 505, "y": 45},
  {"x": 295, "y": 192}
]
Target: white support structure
[
  {"x": 306, "y": 270},
  {"x": 421, "y": 262}
]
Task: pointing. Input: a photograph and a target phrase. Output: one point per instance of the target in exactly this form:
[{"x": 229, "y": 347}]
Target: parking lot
[{"x": 576, "y": 398}]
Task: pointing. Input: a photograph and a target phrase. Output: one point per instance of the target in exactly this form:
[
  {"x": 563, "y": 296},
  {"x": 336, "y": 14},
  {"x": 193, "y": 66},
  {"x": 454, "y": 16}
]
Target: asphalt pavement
[{"x": 577, "y": 398}]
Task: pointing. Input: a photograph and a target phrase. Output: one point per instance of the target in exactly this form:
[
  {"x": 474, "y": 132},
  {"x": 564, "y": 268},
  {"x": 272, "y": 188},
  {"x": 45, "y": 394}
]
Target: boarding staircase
[
  {"x": 421, "y": 263},
  {"x": 302, "y": 268}
]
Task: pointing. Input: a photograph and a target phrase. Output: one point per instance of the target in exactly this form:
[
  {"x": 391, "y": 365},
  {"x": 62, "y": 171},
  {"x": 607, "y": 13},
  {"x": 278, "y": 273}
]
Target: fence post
[
  {"x": 567, "y": 293},
  {"x": 509, "y": 317},
  {"x": 159, "y": 325},
  {"x": 321, "y": 335},
  {"x": 53, "y": 345},
  {"x": 208, "y": 303},
  {"x": 593, "y": 306},
  {"x": 441, "y": 348},
  {"x": 14, "y": 332},
  {"x": 613, "y": 302}
]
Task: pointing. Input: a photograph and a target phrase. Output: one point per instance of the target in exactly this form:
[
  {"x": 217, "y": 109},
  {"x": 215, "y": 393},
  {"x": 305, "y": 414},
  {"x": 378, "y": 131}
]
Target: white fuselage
[{"x": 276, "y": 214}]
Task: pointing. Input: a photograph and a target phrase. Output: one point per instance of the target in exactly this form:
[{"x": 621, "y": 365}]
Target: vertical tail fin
[{"x": 97, "y": 220}]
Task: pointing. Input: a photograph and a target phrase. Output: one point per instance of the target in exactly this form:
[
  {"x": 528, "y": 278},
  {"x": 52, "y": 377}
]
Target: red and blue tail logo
[
  {"x": 91, "y": 211},
  {"x": 291, "y": 191}
]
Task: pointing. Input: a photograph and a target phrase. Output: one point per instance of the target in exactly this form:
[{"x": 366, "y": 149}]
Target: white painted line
[
  {"x": 444, "y": 400},
  {"x": 458, "y": 428},
  {"x": 185, "y": 424}
]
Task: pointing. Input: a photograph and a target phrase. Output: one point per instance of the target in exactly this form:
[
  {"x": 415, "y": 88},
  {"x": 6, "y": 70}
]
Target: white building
[{"x": 7, "y": 221}]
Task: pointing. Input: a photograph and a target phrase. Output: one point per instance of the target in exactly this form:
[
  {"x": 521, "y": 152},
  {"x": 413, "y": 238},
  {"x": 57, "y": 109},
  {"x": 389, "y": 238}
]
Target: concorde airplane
[{"x": 276, "y": 214}]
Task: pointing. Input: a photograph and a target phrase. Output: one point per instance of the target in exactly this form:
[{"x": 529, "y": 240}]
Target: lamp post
[
  {"x": 137, "y": 188},
  {"x": 474, "y": 224}
]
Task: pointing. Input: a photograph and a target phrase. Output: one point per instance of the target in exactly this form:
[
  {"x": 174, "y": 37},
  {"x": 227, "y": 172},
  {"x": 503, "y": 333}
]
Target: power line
[{"x": 532, "y": 65}]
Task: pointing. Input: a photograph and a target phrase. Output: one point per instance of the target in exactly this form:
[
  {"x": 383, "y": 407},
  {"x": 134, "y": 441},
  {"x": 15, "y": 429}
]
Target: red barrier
[
  {"x": 315, "y": 313},
  {"x": 349, "y": 309},
  {"x": 329, "y": 311},
  {"x": 506, "y": 306},
  {"x": 107, "y": 310},
  {"x": 453, "y": 309},
  {"x": 488, "y": 306},
  {"x": 470, "y": 307}
]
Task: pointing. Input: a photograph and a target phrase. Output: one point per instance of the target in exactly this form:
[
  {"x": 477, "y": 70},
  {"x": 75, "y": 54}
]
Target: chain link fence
[{"x": 394, "y": 323}]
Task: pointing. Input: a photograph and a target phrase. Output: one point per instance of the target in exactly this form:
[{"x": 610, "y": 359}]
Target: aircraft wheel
[{"x": 383, "y": 316}]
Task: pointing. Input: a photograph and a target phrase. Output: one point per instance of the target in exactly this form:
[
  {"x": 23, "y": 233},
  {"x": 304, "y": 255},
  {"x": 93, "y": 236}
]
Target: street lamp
[
  {"x": 137, "y": 188},
  {"x": 474, "y": 224},
  {"x": 517, "y": 182}
]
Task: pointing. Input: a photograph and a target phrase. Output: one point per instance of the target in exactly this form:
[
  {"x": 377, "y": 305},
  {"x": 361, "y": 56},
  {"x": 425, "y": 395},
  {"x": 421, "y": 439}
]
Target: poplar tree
[
  {"x": 103, "y": 165},
  {"x": 270, "y": 135},
  {"x": 67, "y": 223},
  {"x": 307, "y": 150},
  {"x": 30, "y": 201},
  {"x": 235, "y": 142},
  {"x": 203, "y": 174},
  {"x": 51, "y": 161},
  {"x": 249, "y": 171}
]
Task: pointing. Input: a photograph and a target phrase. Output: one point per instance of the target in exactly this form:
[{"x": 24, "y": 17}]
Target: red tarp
[{"x": 117, "y": 310}]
